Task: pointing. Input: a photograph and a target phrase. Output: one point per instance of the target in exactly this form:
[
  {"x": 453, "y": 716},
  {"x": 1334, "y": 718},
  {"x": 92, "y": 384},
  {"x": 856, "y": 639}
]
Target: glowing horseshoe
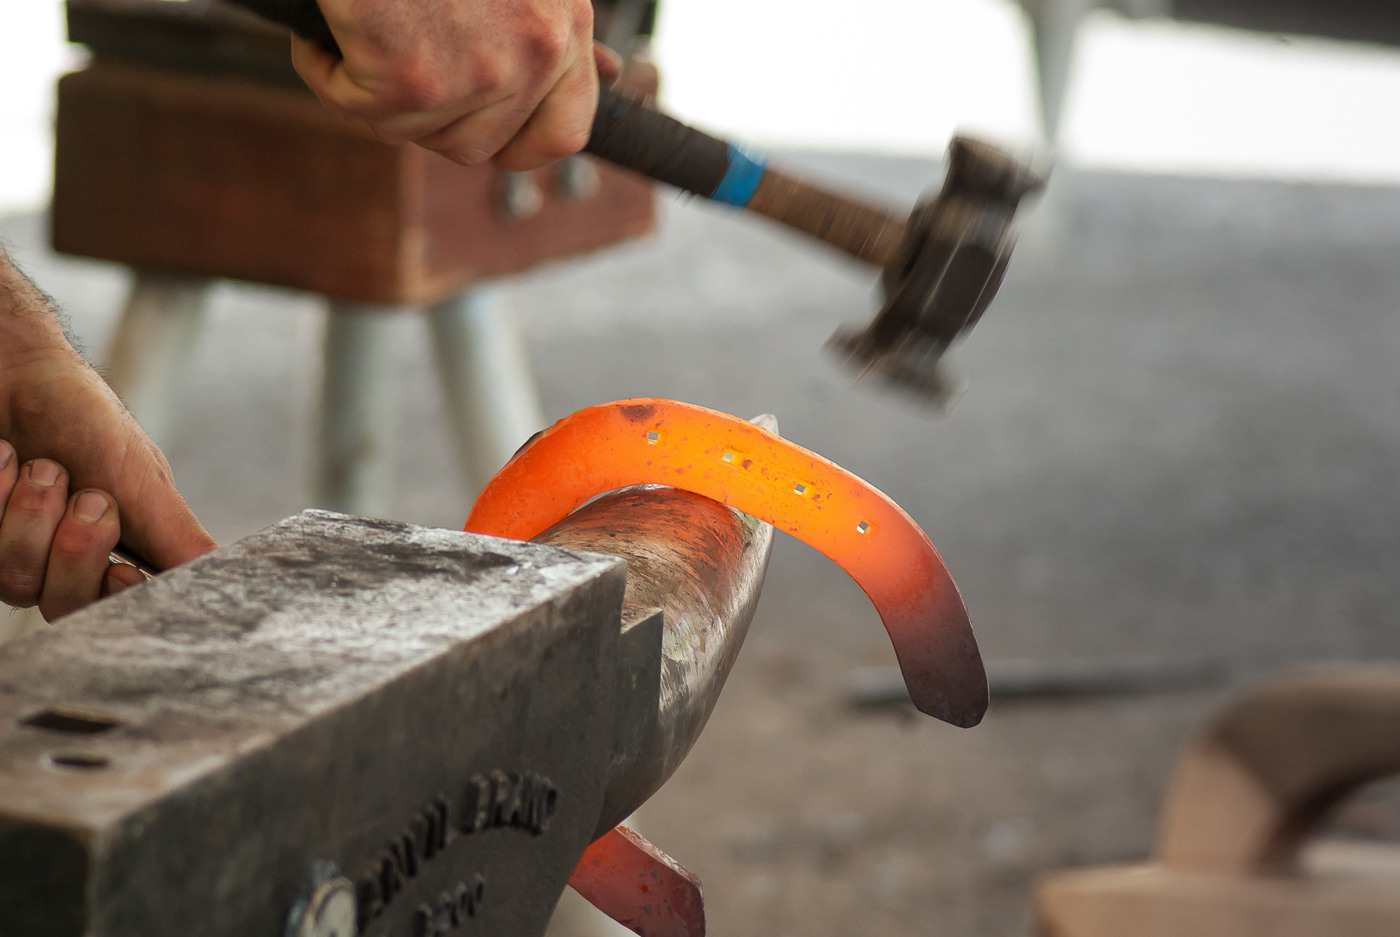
[{"x": 664, "y": 442}]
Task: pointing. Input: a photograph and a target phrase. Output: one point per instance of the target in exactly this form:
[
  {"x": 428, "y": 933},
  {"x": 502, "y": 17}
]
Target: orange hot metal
[
  {"x": 654, "y": 441},
  {"x": 639, "y": 886}
]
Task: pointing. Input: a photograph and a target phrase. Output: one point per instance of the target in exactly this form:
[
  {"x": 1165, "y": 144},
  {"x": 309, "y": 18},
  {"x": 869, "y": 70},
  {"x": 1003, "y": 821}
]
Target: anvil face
[{"x": 432, "y": 712}]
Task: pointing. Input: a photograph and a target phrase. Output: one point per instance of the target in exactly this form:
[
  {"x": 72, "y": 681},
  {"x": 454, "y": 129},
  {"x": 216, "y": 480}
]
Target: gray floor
[{"x": 1181, "y": 438}]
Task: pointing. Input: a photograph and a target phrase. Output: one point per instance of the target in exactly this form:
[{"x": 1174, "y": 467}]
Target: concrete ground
[{"x": 1181, "y": 439}]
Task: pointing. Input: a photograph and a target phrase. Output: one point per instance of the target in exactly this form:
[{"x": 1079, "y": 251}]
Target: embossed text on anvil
[{"x": 523, "y": 800}]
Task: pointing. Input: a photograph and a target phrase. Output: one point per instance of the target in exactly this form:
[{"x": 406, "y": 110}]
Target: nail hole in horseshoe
[
  {"x": 83, "y": 761},
  {"x": 70, "y": 721}
]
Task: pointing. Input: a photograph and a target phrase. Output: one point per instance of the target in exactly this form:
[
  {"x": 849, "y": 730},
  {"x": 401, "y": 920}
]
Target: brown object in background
[
  {"x": 231, "y": 178},
  {"x": 224, "y": 169},
  {"x": 1230, "y": 858}
]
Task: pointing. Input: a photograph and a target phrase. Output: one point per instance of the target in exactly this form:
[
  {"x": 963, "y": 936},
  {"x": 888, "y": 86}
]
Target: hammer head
[{"x": 947, "y": 269}]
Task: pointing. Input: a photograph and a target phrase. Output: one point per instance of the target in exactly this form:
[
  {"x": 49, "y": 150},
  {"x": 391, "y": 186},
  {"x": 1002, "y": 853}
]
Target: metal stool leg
[
  {"x": 1054, "y": 24},
  {"x": 359, "y": 408},
  {"x": 151, "y": 351},
  {"x": 486, "y": 379}
]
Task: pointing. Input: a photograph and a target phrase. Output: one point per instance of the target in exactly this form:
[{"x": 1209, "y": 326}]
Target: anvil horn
[{"x": 703, "y": 565}]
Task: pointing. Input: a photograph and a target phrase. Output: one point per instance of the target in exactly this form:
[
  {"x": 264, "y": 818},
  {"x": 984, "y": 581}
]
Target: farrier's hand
[
  {"x": 515, "y": 80},
  {"x": 54, "y": 407},
  {"x": 53, "y": 545}
]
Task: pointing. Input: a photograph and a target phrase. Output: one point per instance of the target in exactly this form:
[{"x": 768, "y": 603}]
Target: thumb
[
  {"x": 156, "y": 521},
  {"x": 609, "y": 62},
  {"x": 317, "y": 68}
]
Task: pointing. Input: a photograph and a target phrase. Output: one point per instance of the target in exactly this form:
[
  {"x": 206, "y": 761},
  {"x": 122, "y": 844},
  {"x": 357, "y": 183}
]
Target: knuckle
[
  {"x": 489, "y": 75},
  {"x": 74, "y": 544},
  {"x": 37, "y": 508},
  {"x": 417, "y": 84},
  {"x": 549, "y": 43},
  {"x": 20, "y": 588}
]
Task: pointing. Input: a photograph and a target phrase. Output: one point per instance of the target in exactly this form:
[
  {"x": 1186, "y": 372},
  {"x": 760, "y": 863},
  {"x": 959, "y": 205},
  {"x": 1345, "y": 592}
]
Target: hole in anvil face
[
  {"x": 70, "y": 721},
  {"x": 84, "y": 761}
]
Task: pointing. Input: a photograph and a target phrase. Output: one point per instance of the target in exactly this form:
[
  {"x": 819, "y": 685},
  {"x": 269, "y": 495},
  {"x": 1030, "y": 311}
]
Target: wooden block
[
  {"x": 206, "y": 37},
  {"x": 1359, "y": 896},
  {"x": 227, "y": 177}
]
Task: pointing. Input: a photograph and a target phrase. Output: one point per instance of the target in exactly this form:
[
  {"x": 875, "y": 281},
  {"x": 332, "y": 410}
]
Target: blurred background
[{"x": 1179, "y": 448}]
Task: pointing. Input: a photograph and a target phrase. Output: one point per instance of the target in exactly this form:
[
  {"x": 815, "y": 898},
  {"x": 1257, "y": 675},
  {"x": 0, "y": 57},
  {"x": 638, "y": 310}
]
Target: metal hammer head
[{"x": 947, "y": 269}]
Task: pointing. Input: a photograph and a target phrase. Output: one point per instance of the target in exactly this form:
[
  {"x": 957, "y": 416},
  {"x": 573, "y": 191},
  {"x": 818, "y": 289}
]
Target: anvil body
[{"x": 435, "y": 715}]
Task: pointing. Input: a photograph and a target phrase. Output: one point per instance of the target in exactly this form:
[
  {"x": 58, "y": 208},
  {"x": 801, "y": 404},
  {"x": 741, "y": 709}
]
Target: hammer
[{"x": 941, "y": 266}]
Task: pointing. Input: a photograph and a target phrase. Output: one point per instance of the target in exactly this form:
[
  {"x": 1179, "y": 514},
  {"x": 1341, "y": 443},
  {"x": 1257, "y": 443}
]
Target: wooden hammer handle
[
  {"x": 629, "y": 134},
  {"x": 861, "y": 230}
]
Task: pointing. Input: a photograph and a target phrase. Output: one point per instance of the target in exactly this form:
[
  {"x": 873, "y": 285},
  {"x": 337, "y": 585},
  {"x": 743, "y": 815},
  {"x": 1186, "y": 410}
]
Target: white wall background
[
  {"x": 900, "y": 75},
  {"x": 32, "y": 55}
]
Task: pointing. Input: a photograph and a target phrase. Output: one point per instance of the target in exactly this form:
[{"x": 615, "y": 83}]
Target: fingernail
[
  {"x": 43, "y": 472},
  {"x": 7, "y": 452},
  {"x": 90, "y": 507}
]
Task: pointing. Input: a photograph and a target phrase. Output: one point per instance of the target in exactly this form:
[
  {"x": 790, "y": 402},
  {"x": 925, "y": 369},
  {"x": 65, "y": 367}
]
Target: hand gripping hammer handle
[{"x": 629, "y": 134}]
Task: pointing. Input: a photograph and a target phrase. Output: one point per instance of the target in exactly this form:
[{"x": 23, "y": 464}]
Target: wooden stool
[
  {"x": 188, "y": 151},
  {"x": 1245, "y": 800}
]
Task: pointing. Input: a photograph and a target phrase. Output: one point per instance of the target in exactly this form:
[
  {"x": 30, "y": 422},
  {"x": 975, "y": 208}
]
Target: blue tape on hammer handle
[{"x": 741, "y": 179}]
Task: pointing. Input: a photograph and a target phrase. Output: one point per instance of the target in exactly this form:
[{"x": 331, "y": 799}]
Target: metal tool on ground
[
  {"x": 941, "y": 266},
  {"x": 1036, "y": 679}
]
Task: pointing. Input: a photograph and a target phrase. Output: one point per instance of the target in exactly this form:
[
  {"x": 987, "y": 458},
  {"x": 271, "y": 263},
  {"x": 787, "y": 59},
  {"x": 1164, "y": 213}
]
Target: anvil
[{"x": 443, "y": 720}]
